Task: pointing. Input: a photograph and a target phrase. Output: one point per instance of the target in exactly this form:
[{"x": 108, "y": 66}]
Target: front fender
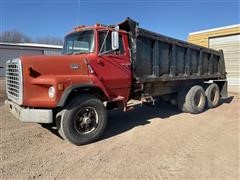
[
  {"x": 36, "y": 89},
  {"x": 87, "y": 87}
]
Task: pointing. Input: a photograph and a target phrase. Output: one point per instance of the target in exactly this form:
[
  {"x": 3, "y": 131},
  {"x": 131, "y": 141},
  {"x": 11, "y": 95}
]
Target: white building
[{"x": 14, "y": 50}]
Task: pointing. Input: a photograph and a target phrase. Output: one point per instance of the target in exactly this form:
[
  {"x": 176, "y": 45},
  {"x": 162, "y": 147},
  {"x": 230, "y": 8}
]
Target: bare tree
[
  {"x": 14, "y": 36},
  {"x": 18, "y": 37}
]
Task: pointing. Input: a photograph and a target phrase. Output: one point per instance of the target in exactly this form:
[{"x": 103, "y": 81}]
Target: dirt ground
[{"x": 148, "y": 143}]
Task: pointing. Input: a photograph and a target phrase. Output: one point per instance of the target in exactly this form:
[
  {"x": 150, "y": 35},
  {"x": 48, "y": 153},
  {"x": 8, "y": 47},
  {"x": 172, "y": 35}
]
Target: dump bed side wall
[{"x": 163, "y": 58}]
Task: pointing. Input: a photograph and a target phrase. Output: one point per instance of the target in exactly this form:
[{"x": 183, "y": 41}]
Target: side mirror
[{"x": 115, "y": 40}]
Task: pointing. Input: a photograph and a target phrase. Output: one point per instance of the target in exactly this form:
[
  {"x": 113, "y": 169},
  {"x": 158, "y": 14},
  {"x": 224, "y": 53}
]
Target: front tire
[{"x": 84, "y": 120}]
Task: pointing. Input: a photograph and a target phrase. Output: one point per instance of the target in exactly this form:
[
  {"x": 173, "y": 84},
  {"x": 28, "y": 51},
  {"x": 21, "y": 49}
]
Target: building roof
[
  {"x": 32, "y": 45},
  {"x": 215, "y": 29}
]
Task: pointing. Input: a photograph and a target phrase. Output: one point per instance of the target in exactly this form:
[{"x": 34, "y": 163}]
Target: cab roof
[{"x": 96, "y": 27}]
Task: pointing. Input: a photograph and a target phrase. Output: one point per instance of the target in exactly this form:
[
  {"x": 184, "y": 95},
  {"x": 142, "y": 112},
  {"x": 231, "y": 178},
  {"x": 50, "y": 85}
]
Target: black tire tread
[
  {"x": 181, "y": 98},
  {"x": 208, "y": 90},
  {"x": 186, "y": 102},
  {"x": 66, "y": 115}
]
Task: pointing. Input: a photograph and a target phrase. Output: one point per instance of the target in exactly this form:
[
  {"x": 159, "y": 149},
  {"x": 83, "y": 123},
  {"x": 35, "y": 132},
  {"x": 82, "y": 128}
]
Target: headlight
[{"x": 51, "y": 92}]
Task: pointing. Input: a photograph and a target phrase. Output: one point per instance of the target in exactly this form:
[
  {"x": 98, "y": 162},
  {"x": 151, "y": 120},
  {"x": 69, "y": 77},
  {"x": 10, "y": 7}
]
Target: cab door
[{"x": 114, "y": 67}]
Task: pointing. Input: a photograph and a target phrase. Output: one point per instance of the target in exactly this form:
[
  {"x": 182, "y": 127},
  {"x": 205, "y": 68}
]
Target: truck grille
[{"x": 14, "y": 80}]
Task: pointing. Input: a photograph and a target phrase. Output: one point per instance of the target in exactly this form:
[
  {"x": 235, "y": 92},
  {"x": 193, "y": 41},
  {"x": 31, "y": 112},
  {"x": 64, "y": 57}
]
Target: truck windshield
[{"x": 79, "y": 42}]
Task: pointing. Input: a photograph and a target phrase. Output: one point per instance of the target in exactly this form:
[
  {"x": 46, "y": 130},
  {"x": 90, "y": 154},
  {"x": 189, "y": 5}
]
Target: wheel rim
[
  {"x": 213, "y": 95},
  {"x": 86, "y": 120},
  {"x": 198, "y": 98}
]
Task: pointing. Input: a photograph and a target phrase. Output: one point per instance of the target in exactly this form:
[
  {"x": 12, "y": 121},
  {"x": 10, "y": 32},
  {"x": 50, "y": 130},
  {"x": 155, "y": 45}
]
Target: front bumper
[{"x": 30, "y": 115}]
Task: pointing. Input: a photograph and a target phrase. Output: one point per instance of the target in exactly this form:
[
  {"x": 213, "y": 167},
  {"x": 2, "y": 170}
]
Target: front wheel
[{"x": 83, "y": 121}]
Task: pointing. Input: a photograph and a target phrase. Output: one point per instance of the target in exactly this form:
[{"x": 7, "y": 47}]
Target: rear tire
[
  {"x": 212, "y": 95},
  {"x": 192, "y": 99},
  {"x": 83, "y": 121},
  {"x": 181, "y": 98}
]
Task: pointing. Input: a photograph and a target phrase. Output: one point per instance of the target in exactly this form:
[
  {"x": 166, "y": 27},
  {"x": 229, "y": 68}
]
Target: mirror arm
[
  {"x": 105, "y": 52},
  {"x": 105, "y": 38}
]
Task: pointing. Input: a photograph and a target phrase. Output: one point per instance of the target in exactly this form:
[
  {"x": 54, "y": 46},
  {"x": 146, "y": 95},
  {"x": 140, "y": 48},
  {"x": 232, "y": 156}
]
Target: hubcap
[
  {"x": 213, "y": 95},
  {"x": 198, "y": 99},
  {"x": 86, "y": 120}
]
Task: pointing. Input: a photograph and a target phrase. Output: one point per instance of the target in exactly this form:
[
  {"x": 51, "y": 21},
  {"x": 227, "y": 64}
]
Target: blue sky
[{"x": 173, "y": 18}]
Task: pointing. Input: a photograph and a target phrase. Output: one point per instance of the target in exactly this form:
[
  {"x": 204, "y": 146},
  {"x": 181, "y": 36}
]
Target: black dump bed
[{"x": 160, "y": 58}]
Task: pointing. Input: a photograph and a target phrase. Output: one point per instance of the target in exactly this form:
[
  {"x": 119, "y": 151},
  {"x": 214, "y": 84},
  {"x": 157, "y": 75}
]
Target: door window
[{"x": 108, "y": 43}]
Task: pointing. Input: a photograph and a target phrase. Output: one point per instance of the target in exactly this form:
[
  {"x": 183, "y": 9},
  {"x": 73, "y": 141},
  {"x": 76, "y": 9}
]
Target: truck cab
[
  {"x": 95, "y": 61},
  {"x": 107, "y": 57}
]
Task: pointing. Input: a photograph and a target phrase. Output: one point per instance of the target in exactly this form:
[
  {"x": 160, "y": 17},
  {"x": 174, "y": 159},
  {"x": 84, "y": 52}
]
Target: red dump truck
[{"x": 103, "y": 67}]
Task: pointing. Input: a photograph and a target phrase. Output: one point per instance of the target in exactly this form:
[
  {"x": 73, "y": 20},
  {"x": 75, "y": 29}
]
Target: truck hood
[
  {"x": 42, "y": 72},
  {"x": 55, "y": 65}
]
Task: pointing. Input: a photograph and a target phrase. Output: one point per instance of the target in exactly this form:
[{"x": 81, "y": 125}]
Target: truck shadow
[
  {"x": 120, "y": 122},
  {"x": 227, "y": 100}
]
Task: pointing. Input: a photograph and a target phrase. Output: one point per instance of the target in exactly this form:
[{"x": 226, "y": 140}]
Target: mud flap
[{"x": 223, "y": 85}]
